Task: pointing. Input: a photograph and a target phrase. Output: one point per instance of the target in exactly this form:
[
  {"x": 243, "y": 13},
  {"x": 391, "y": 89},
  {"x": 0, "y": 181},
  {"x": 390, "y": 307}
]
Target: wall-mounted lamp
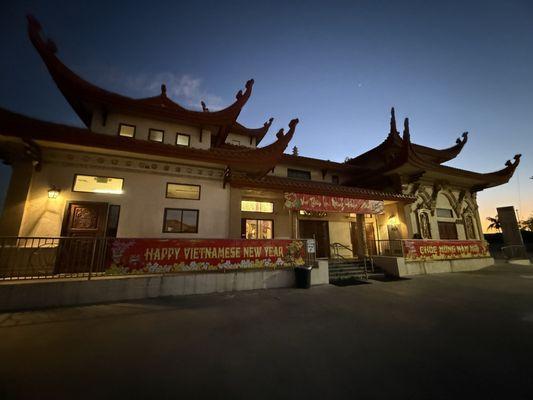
[
  {"x": 393, "y": 220},
  {"x": 53, "y": 192}
]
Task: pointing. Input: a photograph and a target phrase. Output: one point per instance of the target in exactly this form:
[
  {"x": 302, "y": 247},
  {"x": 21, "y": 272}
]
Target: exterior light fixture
[
  {"x": 53, "y": 192},
  {"x": 393, "y": 220}
]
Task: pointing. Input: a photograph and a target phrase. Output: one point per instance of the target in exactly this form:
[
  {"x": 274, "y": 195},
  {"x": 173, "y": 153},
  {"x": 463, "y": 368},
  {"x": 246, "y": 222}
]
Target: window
[
  {"x": 447, "y": 230},
  {"x": 257, "y": 228},
  {"x": 257, "y": 206},
  {"x": 178, "y": 220},
  {"x": 112, "y": 220},
  {"x": 156, "y": 135},
  {"x": 97, "y": 184},
  {"x": 335, "y": 179},
  {"x": 183, "y": 191},
  {"x": 126, "y": 130},
  {"x": 183, "y": 140},
  {"x": 444, "y": 213},
  {"x": 298, "y": 174}
]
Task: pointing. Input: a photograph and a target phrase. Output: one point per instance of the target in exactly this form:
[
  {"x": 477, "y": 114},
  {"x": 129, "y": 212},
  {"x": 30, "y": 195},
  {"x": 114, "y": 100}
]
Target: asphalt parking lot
[{"x": 430, "y": 337}]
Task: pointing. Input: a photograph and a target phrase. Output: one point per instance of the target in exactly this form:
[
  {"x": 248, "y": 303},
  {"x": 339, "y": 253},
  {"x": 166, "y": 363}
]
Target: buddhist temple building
[{"x": 150, "y": 168}]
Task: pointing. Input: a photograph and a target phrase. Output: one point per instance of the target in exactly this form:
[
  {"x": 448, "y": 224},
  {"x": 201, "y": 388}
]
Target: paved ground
[{"x": 430, "y": 337}]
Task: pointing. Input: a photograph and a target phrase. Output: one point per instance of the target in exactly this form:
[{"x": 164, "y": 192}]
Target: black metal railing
[
  {"x": 51, "y": 257},
  {"x": 392, "y": 248},
  {"x": 514, "y": 252}
]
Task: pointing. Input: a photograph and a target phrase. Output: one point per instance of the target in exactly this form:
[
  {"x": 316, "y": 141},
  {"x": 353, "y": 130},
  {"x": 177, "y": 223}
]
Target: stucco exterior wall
[
  {"x": 242, "y": 140},
  {"x": 339, "y": 232},
  {"x": 394, "y": 215},
  {"x": 143, "y": 126},
  {"x": 316, "y": 173},
  {"x": 15, "y": 200},
  {"x": 142, "y": 202}
]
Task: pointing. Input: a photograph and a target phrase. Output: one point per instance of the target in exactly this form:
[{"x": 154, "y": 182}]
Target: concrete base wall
[
  {"x": 54, "y": 293},
  {"x": 397, "y": 266},
  {"x": 320, "y": 275}
]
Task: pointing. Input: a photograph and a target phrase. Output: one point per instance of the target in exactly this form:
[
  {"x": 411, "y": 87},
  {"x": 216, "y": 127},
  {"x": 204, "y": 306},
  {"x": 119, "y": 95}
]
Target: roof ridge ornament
[
  {"x": 514, "y": 164},
  {"x": 248, "y": 86},
  {"x": 163, "y": 90},
  {"x": 204, "y": 107},
  {"x": 268, "y": 123},
  {"x": 464, "y": 139}
]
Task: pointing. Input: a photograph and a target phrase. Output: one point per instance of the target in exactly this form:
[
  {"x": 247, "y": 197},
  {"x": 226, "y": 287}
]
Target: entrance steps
[
  {"x": 352, "y": 269},
  {"x": 347, "y": 269}
]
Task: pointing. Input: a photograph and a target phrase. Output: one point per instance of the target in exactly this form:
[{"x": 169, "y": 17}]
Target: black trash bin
[{"x": 303, "y": 276}]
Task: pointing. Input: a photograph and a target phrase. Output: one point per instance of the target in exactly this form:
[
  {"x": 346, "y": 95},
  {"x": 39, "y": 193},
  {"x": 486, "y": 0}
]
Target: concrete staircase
[{"x": 348, "y": 269}]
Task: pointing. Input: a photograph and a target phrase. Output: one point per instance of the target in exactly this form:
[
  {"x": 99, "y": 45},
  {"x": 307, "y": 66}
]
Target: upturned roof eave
[{"x": 83, "y": 96}]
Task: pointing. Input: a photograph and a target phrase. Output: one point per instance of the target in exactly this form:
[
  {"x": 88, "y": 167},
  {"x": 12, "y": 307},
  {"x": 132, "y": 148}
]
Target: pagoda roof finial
[
  {"x": 163, "y": 90},
  {"x": 406, "y": 133},
  {"x": 393, "y": 121}
]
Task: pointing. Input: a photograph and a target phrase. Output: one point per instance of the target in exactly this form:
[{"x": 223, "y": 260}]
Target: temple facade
[{"x": 149, "y": 168}]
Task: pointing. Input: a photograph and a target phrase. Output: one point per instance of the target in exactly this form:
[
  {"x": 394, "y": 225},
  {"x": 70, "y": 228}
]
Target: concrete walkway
[{"x": 430, "y": 337}]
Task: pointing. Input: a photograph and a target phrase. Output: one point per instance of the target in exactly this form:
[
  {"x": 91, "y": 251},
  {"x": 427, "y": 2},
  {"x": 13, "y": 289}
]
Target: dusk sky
[{"x": 337, "y": 66}]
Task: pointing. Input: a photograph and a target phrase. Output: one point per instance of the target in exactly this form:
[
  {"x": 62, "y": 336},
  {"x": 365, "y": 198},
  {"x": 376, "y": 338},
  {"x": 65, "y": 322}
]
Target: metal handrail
[
  {"x": 517, "y": 251},
  {"x": 336, "y": 246}
]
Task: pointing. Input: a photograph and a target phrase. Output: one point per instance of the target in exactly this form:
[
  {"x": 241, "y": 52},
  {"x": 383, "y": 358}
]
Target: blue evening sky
[{"x": 450, "y": 66}]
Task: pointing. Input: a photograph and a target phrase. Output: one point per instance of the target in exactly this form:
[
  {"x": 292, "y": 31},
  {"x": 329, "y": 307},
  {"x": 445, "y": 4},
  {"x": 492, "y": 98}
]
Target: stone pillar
[
  {"x": 293, "y": 216},
  {"x": 17, "y": 193},
  {"x": 511, "y": 233},
  {"x": 411, "y": 220},
  {"x": 361, "y": 236}
]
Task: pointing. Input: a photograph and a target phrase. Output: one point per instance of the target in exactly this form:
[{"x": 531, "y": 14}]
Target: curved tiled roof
[
  {"x": 257, "y": 161},
  {"x": 84, "y": 97},
  {"x": 315, "y": 187},
  {"x": 393, "y": 144}
]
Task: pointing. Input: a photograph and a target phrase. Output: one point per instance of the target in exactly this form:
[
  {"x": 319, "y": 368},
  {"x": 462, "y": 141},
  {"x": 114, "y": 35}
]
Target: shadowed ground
[{"x": 430, "y": 337}]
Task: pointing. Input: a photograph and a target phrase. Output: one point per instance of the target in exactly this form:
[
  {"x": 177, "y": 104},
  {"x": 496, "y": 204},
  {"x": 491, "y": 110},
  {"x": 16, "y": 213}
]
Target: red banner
[
  {"x": 420, "y": 250},
  {"x": 317, "y": 202},
  {"x": 133, "y": 256}
]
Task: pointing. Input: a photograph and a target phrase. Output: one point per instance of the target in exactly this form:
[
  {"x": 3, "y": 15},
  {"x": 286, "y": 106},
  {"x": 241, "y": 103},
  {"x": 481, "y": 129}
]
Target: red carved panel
[{"x": 84, "y": 218}]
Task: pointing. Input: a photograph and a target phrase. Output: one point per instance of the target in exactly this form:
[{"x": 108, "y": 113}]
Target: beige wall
[
  {"x": 383, "y": 221},
  {"x": 243, "y": 140},
  {"x": 143, "y": 125},
  {"x": 142, "y": 203},
  {"x": 339, "y": 232},
  {"x": 15, "y": 201},
  {"x": 316, "y": 173}
]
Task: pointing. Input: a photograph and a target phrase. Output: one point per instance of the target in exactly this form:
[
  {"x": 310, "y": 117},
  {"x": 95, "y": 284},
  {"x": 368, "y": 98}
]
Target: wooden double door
[
  {"x": 82, "y": 245},
  {"x": 318, "y": 230}
]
